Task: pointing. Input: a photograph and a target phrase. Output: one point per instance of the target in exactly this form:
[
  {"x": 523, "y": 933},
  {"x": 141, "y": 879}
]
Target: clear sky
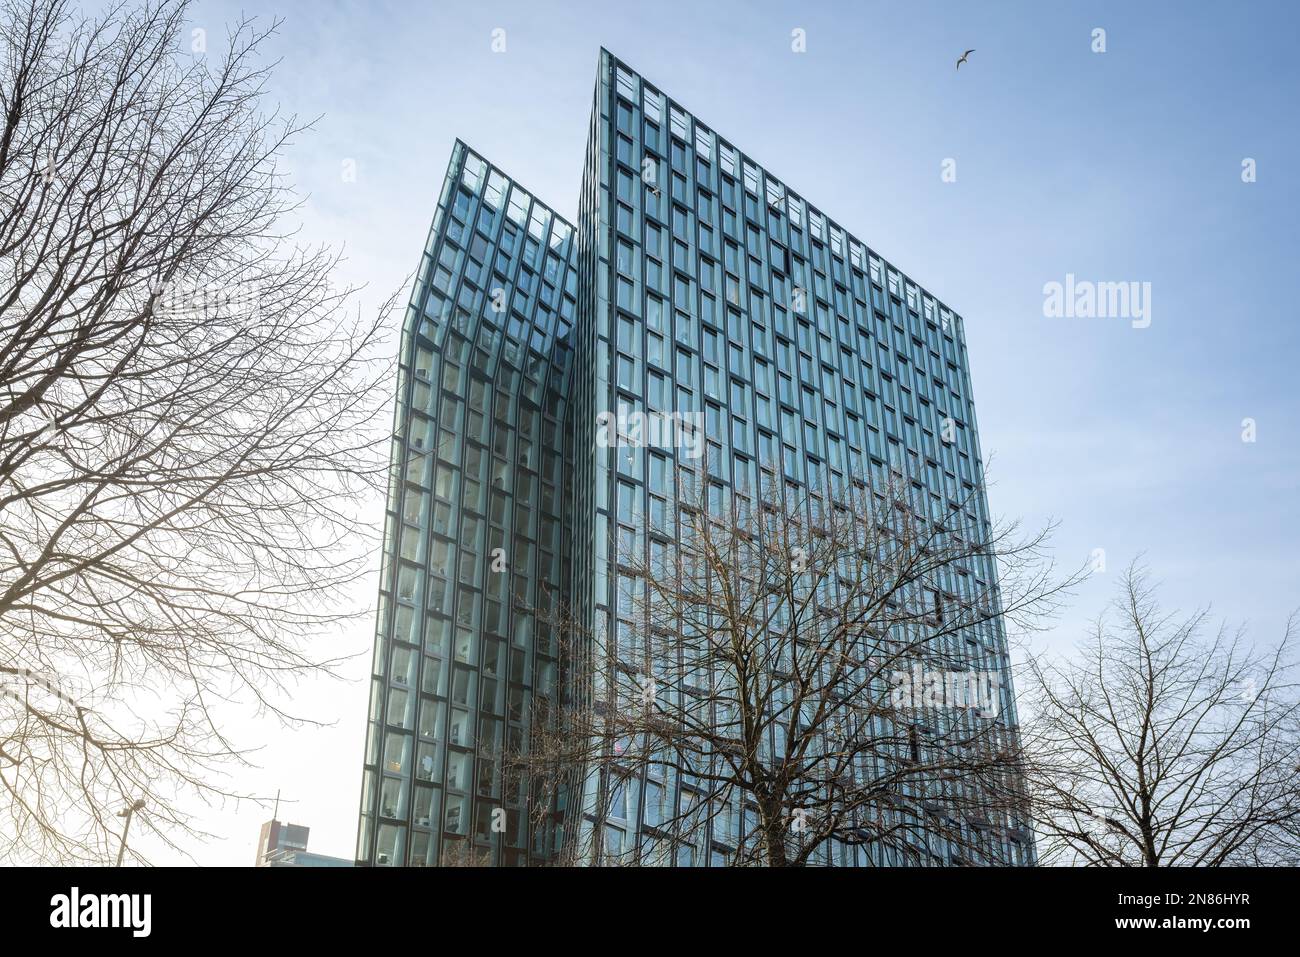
[{"x": 1115, "y": 167}]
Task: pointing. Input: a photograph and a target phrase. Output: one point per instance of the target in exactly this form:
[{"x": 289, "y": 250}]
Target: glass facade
[
  {"x": 474, "y": 547},
  {"x": 696, "y": 284}
]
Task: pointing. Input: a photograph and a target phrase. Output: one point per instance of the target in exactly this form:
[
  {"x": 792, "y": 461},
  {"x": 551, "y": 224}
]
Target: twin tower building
[{"x": 694, "y": 285}]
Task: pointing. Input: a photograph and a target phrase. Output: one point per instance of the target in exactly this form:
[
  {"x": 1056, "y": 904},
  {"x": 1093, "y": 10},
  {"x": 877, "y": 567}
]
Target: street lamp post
[{"x": 126, "y": 812}]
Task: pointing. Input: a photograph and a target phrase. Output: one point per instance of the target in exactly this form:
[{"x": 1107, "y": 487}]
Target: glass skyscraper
[
  {"x": 475, "y": 541},
  {"x": 695, "y": 283}
]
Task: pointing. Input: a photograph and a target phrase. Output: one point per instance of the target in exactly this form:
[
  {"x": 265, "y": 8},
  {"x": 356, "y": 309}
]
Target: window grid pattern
[
  {"x": 475, "y": 540},
  {"x": 695, "y": 282},
  {"x": 720, "y": 292}
]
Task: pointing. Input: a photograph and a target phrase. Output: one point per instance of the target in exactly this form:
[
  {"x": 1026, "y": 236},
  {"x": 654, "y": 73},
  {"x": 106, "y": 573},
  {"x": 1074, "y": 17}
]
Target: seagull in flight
[{"x": 964, "y": 57}]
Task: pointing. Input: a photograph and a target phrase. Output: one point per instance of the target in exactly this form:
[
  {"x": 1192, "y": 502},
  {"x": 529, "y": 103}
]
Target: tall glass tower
[
  {"x": 695, "y": 284},
  {"x": 475, "y": 543}
]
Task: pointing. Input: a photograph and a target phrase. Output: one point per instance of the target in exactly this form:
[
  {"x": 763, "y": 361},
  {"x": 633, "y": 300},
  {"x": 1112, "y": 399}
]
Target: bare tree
[
  {"x": 1158, "y": 746},
  {"x": 189, "y": 415},
  {"x": 795, "y": 675}
]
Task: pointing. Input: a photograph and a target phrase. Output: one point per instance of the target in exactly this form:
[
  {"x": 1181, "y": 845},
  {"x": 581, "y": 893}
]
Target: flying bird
[{"x": 963, "y": 58}]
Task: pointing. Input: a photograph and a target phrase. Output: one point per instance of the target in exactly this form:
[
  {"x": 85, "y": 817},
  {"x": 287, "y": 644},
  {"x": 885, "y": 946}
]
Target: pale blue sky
[{"x": 1115, "y": 166}]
